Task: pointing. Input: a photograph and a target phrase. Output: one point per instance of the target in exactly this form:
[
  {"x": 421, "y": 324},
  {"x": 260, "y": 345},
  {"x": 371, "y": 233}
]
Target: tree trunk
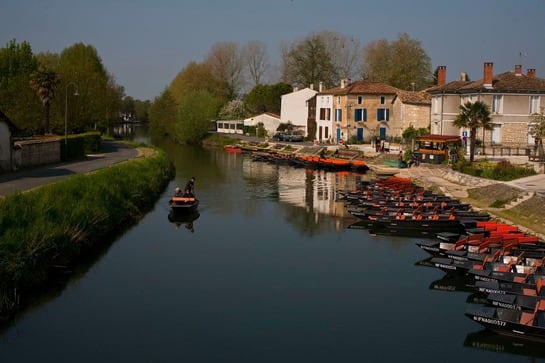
[
  {"x": 46, "y": 117},
  {"x": 472, "y": 142}
]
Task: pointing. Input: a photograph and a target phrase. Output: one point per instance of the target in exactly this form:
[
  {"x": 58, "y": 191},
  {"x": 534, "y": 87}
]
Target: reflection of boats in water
[
  {"x": 487, "y": 340},
  {"x": 185, "y": 218}
]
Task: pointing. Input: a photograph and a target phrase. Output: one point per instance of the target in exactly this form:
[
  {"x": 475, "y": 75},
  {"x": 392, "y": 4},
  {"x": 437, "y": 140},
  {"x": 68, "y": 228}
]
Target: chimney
[
  {"x": 311, "y": 86},
  {"x": 441, "y": 75},
  {"x": 295, "y": 88},
  {"x": 344, "y": 82},
  {"x": 320, "y": 86},
  {"x": 463, "y": 76},
  {"x": 488, "y": 74},
  {"x": 518, "y": 70},
  {"x": 531, "y": 73}
]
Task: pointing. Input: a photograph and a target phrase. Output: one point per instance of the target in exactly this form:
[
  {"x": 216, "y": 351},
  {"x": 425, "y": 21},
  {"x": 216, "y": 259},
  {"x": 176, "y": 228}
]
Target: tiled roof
[
  {"x": 415, "y": 98},
  {"x": 361, "y": 87},
  {"x": 507, "y": 82}
]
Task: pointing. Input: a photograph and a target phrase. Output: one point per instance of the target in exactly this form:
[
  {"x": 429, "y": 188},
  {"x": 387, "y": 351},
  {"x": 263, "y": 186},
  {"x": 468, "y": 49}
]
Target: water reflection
[
  {"x": 486, "y": 340},
  {"x": 185, "y": 219}
]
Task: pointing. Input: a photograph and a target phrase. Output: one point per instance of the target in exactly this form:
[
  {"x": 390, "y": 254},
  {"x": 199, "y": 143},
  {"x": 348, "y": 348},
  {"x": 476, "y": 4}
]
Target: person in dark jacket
[{"x": 190, "y": 187}]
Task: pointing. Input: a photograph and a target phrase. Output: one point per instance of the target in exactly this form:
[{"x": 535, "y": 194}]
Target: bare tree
[
  {"x": 225, "y": 59},
  {"x": 308, "y": 62},
  {"x": 345, "y": 53},
  {"x": 256, "y": 59}
]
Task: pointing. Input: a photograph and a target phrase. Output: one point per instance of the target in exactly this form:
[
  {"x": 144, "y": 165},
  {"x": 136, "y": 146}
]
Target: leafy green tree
[
  {"x": 308, "y": 62},
  {"x": 17, "y": 100},
  {"x": 266, "y": 98},
  {"x": 97, "y": 105},
  {"x": 162, "y": 115},
  {"x": 473, "y": 116},
  {"x": 45, "y": 82},
  {"x": 402, "y": 63},
  {"x": 195, "y": 113},
  {"x": 537, "y": 130},
  {"x": 198, "y": 77}
]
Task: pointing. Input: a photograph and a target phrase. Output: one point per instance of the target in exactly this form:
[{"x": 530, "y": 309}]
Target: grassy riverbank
[{"x": 54, "y": 227}]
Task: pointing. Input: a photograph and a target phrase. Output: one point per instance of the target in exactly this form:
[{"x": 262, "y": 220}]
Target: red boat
[{"x": 233, "y": 149}]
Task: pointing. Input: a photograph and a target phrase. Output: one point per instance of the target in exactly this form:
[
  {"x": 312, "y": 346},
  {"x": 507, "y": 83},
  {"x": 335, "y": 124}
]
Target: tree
[
  {"x": 225, "y": 59},
  {"x": 162, "y": 115},
  {"x": 473, "y": 116},
  {"x": 256, "y": 59},
  {"x": 233, "y": 110},
  {"x": 44, "y": 82},
  {"x": 266, "y": 98},
  {"x": 99, "y": 97},
  {"x": 198, "y": 77},
  {"x": 537, "y": 130},
  {"x": 345, "y": 53},
  {"x": 308, "y": 62},
  {"x": 195, "y": 112},
  {"x": 17, "y": 100},
  {"x": 402, "y": 63}
]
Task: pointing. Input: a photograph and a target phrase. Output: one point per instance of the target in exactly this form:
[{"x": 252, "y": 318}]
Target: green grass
[{"x": 58, "y": 224}]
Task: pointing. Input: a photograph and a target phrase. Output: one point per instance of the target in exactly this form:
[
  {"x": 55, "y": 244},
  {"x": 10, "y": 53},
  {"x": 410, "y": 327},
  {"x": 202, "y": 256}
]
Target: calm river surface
[{"x": 269, "y": 272}]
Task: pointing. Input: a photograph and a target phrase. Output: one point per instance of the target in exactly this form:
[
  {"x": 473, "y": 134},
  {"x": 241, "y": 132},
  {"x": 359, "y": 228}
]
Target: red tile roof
[{"x": 507, "y": 82}]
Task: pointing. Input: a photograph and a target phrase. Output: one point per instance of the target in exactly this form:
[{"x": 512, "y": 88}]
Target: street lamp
[{"x": 66, "y": 110}]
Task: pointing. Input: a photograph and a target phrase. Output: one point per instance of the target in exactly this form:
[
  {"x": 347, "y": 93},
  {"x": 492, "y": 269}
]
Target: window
[
  {"x": 435, "y": 103},
  {"x": 360, "y": 100},
  {"x": 382, "y": 100},
  {"x": 338, "y": 114},
  {"x": 325, "y": 114},
  {"x": 338, "y": 100},
  {"x": 383, "y": 114},
  {"x": 497, "y": 104},
  {"x": 534, "y": 104},
  {"x": 360, "y": 114}
]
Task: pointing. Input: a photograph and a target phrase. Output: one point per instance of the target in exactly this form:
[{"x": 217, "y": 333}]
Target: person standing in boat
[{"x": 190, "y": 187}]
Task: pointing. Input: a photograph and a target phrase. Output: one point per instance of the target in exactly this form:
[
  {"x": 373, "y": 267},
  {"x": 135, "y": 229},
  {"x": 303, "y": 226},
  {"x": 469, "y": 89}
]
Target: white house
[
  {"x": 268, "y": 120},
  {"x": 6, "y": 142},
  {"x": 294, "y": 108}
]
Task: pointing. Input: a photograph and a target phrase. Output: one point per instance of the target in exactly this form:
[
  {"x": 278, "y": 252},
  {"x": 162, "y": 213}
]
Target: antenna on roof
[{"x": 522, "y": 54}]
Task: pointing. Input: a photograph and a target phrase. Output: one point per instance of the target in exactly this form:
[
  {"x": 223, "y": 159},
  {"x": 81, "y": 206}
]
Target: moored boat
[{"x": 517, "y": 323}]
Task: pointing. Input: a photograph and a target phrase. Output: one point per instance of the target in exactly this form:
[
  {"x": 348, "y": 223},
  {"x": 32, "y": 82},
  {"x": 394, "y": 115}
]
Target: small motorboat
[{"x": 183, "y": 204}]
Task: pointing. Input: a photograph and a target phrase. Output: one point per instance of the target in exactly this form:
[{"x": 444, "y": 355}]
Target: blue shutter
[
  {"x": 387, "y": 114},
  {"x": 364, "y": 114}
]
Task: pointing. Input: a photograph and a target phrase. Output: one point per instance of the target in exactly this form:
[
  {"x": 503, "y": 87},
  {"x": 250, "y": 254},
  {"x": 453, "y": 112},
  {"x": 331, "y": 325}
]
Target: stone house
[
  {"x": 512, "y": 97},
  {"x": 365, "y": 110}
]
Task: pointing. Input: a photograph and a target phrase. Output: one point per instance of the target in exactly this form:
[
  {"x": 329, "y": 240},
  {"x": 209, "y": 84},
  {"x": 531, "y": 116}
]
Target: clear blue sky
[{"x": 145, "y": 43}]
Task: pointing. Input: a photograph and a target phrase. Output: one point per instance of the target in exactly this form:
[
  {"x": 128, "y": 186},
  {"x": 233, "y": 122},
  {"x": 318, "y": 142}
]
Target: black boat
[
  {"x": 515, "y": 301},
  {"x": 516, "y": 323},
  {"x": 183, "y": 204}
]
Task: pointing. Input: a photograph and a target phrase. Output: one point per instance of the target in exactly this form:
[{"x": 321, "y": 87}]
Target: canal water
[{"x": 269, "y": 271}]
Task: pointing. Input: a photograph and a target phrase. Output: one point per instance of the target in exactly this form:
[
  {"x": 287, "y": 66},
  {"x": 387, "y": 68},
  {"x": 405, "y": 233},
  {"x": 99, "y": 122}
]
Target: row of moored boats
[{"x": 500, "y": 265}]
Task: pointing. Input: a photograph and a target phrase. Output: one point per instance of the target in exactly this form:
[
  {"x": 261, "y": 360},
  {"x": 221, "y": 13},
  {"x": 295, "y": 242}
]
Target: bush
[{"x": 503, "y": 170}]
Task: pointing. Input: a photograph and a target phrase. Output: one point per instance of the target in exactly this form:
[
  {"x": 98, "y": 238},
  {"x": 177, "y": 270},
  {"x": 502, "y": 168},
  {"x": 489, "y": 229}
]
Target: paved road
[{"x": 25, "y": 179}]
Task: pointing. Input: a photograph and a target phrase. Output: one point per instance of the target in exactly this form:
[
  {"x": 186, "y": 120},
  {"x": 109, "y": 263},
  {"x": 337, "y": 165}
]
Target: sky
[{"x": 144, "y": 44}]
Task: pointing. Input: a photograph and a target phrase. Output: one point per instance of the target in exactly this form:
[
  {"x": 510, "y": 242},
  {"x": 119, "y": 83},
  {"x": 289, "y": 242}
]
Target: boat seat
[
  {"x": 529, "y": 292},
  {"x": 527, "y": 318}
]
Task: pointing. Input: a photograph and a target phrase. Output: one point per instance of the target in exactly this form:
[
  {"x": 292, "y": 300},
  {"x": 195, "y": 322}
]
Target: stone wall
[{"x": 38, "y": 152}]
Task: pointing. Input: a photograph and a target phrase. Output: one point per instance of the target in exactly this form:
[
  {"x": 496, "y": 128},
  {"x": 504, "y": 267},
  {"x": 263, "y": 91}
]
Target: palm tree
[
  {"x": 472, "y": 116},
  {"x": 44, "y": 82}
]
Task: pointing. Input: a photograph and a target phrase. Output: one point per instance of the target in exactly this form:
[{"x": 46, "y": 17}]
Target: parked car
[
  {"x": 278, "y": 136},
  {"x": 293, "y": 136}
]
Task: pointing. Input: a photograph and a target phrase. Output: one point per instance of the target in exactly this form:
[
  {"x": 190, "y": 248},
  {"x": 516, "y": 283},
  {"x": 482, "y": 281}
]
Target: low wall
[{"x": 37, "y": 152}]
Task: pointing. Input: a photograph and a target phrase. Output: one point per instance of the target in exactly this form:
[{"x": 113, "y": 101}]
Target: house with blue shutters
[{"x": 362, "y": 111}]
